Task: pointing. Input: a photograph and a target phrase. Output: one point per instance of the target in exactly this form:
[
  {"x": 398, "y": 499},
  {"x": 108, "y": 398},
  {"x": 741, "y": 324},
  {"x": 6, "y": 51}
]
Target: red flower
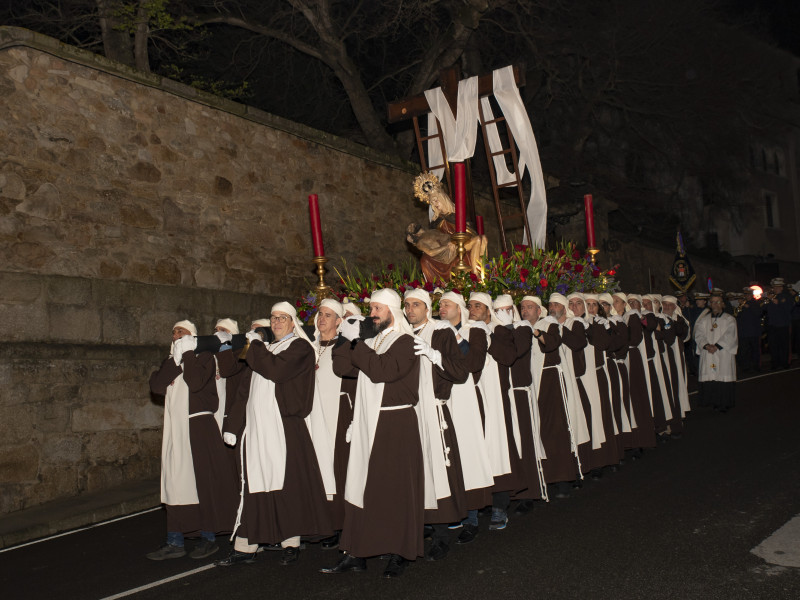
[
  {"x": 535, "y": 263},
  {"x": 375, "y": 278},
  {"x": 428, "y": 286},
  {"x": 523, "y": 274},
  {"x": 595, "y": 273},
  {"x": 390, "y": 267},
  {"x": 562, "y": 252},
  {"x": 473, "y": 277},
  {"x": 520, "y": 247},
  {"x": 303, "y": 315},
  {"x": 575, "y": 254},
  {"x": 567, "y": 265},
  {"x": 415, "y": 284},
  {"x": 612, "y": 272},
  {"x": 456, "y": 290},
  {"x": 298, "y": 304},
  {"x": 543, "y": 283},
  {"x": 578, "y": 267},
  {"x": 504, "y": 254}
]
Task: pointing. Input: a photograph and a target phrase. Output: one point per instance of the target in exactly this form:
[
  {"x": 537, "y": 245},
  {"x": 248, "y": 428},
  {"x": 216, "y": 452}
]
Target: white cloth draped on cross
[{"x": 460, "y": 133}]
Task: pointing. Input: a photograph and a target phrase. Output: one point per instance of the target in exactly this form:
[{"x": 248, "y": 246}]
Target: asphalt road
[{"x": 680, "y": 523}]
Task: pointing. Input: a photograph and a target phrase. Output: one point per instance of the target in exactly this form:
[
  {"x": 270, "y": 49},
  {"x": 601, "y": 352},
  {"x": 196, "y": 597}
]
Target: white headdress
[
  {"x": 228, "y": 324},
  {"x": 290, "y": 310},
  {"x": 391, "y": 299}
]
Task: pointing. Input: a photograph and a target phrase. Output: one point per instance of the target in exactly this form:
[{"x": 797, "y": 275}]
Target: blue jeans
[
  {"x": 175, "y": 538},
  {"x": 472, "y": 518}
]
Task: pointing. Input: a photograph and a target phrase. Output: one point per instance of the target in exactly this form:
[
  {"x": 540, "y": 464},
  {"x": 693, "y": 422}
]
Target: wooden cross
[{"x": 417, "y": 106}]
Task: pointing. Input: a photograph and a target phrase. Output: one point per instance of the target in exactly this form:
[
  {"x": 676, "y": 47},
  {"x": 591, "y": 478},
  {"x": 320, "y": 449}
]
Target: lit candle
[
  {"x": 316, "y": 226},
  {"x": 479, "y": 224},
  {"x": 461, "y": 198},
  {"x": 589, "y": 211}
]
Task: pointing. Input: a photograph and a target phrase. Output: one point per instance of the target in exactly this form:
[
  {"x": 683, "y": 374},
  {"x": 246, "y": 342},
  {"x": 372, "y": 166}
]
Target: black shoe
[
  {"x": 348, "y": 563},
  {"x": 235, "y": 558},
  {"x": 278, "y": 547},
  {"x": 330, "y": 543},
  {"x": 167, "y": 551},
  {"x": 438, "y": 550},
  {"x": 397, "y": 564},
  {"x": 290, "y": 555},
  {"x": 468, "y": 534},
  {"x": 523, "y": 508},
  {"x": 596, "y": 474},
  {"x": 427, "y": 532},
  {"x": 204, "y": 549}
]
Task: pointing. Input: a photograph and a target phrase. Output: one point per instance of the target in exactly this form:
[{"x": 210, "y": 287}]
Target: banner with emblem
[{"x": 682, "y": 275}]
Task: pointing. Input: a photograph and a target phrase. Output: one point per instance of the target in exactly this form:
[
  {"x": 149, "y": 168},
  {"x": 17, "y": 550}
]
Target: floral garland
[{"x": 525, "y": 271}]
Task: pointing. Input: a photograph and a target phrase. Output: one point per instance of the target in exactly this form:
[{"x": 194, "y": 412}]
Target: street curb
[{"x": 72, "y": 513}]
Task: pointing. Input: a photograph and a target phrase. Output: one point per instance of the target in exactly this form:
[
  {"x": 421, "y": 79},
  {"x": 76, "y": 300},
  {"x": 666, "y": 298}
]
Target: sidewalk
[{"x": 79, "y": 511}]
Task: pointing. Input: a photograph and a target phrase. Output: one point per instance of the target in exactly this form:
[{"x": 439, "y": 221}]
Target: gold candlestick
[
  {"x": 459, "y": 239},
  {"x": 593, "y": 252},
  {"x": 322, "y": 289}
]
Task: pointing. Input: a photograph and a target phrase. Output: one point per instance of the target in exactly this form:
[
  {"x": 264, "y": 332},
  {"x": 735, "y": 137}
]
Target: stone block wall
[{"x": 128, "y": 202}]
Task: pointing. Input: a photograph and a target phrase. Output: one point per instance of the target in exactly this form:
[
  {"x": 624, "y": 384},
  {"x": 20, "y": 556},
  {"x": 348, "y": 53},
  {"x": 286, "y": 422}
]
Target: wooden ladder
[
  {"x": 496, "y": 187},
  {"x": 421, "y": 139}
]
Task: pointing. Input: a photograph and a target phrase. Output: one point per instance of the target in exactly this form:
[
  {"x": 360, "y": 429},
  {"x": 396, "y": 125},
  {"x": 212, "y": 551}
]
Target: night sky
[{"x": 782, "y": 19}]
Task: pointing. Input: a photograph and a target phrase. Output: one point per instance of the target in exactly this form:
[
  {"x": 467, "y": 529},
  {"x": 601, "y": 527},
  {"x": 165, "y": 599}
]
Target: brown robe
[
  {"x": 214, "y": 465},
  {"x": 644, "y": 435},
  {"x": 503, "y": 350},
  {"x": 392, "y": 519},
  {"x": 521, "y": 376},
  {"x": 620, "y": 386},
  {"x": 650, "y": 323},
  {"x": 609, "y": 452},
  {"x": 300, "y": 507},
  {"x": 453, "y": 508},
  {"x": 560, "y": 464},
  {"x": 474, "y": 360}
]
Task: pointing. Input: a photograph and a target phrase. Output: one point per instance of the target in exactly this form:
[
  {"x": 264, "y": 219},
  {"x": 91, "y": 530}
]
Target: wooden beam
[{"x": 416, "y": 106}]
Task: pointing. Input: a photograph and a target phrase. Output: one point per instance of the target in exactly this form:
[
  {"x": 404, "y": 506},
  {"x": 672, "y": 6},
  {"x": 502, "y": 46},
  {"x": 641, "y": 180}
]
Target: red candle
[
  {"x": 461, "y": 198},
  {"x": 589, "y": 211},
  {"x": 479, "y": 224},
  {"x": 316, "y": 226}
]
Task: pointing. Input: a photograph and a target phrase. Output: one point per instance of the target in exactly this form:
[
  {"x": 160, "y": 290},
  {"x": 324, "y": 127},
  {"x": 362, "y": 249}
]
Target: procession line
[
  {"x": 71, "y": 531},
  {"x": 159, "y": 582}
]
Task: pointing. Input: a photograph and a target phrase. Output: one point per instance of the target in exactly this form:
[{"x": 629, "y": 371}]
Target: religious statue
[{"x": 439, "y": 253}]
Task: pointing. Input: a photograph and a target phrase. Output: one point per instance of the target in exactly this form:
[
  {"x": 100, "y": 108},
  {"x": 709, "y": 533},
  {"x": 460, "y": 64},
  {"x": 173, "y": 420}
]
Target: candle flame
[{"x": 757, "y": 292}]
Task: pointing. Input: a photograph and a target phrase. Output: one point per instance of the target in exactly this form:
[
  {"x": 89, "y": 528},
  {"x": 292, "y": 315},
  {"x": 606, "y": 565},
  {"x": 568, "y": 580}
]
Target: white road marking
[
  {"x": 159, "y": 582},
  {"x": 62, "y": 534},
  {"x": 782, "y": 547}
]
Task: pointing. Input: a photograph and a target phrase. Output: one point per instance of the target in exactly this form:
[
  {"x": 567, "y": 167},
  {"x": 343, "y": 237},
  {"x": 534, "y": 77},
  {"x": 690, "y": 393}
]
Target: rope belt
[
  {"x": 442, "y": 426},
  {"x": 197, "y": 414},
  {"x": 536, "y": 436},
  {"x": 398, "y": 407},
  {"x": 573, "y": 444}
]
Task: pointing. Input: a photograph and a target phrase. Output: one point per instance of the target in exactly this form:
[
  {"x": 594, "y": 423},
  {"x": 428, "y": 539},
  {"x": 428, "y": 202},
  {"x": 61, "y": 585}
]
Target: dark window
[{"x": 770, "y": 216}]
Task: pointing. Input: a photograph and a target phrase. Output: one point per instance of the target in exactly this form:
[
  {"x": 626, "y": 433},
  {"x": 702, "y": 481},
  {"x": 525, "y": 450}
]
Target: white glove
[
  {"x": 177, "y": 351},
  {"x": 229, "y": 438},
  {"x": 506, "y": 317},
  {"x": 480, "y": 325},
  {"x": 523, "y": 323},
  {"x": 350, "y": 328},
  {"x": 551, "y": 319},
  {"x": 252, "y": 336},
  {"x": 223, "y": 336},
  {"x": 602, "y": 321},
  {"x": 189, "y": 343},
  {"x": 423, "y": 348}
]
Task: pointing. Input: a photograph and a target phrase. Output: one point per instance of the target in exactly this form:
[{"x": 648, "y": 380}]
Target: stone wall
[{"x": 128, "y": 202}]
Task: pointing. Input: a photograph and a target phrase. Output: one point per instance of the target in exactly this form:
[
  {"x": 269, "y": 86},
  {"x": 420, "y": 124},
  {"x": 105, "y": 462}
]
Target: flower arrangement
[{"x": 524, "y": 271}]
